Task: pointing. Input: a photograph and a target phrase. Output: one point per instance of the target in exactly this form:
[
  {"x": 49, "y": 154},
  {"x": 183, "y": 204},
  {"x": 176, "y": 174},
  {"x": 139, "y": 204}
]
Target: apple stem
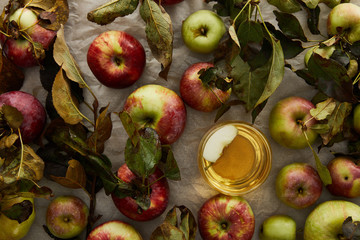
[{"x": 247, "y": 3}]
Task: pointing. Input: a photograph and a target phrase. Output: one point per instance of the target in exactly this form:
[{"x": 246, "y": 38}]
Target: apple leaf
[
  {"x": 75, "y": 176},
  {"x": 108, "y": 12},
  {"x": 21, "y": 164},
  {"x": 321, "y": 169},
  {"x": 102, "y": 131},
  {"x": 65, "y": 104},
  {"x": 233, "y": 35},
  {"x": 56, "y": 16},
  {"x": 351, "y": 229},
  {"x": 313, "y": 19},
  {"x": 323, "y": 109},
  {"x": 64, "y": 59},
  {"x": 130, "y": 127},
  {"x": 332, "y": 78},
  {"x": 143, "y": 157},
  {"x": 172, "y": 228},
  {"x": 11, "y": 77},
  {"x": 12, "y": 116},
  {"x": 287, "y": 6},
  {"x": 290, "y": 26},
  {"x": 168, "y": 164},
  {"x": 159, "y": 33},
  {"x": 20, "y": 211},
  {"x": 8, "y": 141},
  {"x": 311, "y": 3},
  {"x": 26, "y": 188}
]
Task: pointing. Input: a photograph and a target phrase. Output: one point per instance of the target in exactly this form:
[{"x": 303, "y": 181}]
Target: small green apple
[
  {"x": 11, "y": 229},
  {"x": 25, "y": 18},
  {"x": 278, "y": 227},
  {"x": 202, "y": 31}
]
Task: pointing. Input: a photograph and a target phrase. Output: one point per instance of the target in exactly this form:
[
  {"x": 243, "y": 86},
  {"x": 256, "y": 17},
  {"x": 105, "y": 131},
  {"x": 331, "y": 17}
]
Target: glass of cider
[{"x": 243, "y": 165}]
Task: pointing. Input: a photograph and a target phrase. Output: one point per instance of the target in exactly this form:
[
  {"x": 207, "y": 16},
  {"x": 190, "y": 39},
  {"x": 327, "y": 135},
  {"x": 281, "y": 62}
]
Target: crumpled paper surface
[{"x": 192, "y": 190}]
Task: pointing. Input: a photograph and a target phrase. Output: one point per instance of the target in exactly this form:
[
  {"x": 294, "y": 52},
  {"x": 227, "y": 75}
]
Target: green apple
[
  {"x": 278, "y": 227},
  {"x": 287, "y": 120},
  {"x": 326, "y": 220},
  {"x": 11, "y": 229},
  {"x": 202, "y": 31}
]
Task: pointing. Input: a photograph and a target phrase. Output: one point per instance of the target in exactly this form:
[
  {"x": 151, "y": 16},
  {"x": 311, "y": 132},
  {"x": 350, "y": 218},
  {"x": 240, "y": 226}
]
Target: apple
[
  {"x": 345, "y": 175},
  {"x": 202, "y": 31},
  {"x": 11, "y": 229},
  {"x": 278, "y": 227},
  {"x": 326, "y": 220},
  {"x": 159, "y": 108},
  {"x": 286, "y": 122},
  {"x": 66, "y": 216},
  {"x": 114, "y": 230},
  {"x": 168, "y": 2},
  {"x": 298, "y": 185},
  {"x": 116, "y": 58},
  {"x": 159, "y": 196},
  {"x": 344, "y": 20},
  {"x": 197, "y": 95},
  {"x": 20, "y": 50},
  {"x": 226, "y": 217},
  {"x": 32, "y": 110},
  {"x": 356, "y": 118}
]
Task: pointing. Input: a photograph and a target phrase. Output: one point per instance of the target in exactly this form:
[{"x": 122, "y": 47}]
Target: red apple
[
  {"x": 20, "y": 50},
  {"x": 345, "y": 175},
  {"x": 298, "y": 185},
  {"x": 66, "y": 216},
  {"x": 116, "y": 58},
  {"x": 32, "y": 110},
  {"x": 159, "y": 108},
  {"x": 286, "y": 122},
  {"x": 114, "y": 230},
  {"x": 226, "y": 217},
  {"x": 198, "y": 95},
  {"x": 159, "y": 196}
]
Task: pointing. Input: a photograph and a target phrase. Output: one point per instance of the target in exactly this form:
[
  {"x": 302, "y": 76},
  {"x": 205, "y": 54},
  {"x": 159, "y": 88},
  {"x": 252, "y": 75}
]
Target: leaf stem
[
  {"x": 150, "y": 184},
  {"x": 21, "y": 155},
  {"x": 247, "y": 3},
  {"x": 263, "y": 22}
]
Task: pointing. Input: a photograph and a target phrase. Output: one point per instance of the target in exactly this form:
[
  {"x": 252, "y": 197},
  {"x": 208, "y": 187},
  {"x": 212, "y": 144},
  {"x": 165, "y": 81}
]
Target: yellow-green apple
[
  {"x": 158, "y": 195},
  {"x": 115, "y": 229},
  {"x": 32, "y": 110},
  {"x": 298, "y": 185},
  {"x": 345, "y": 175},
  {"x": 326, "y": 220},
  {"x": 288, "y": 119},
  {"x": 20, "y": 49},
  {"x": 196, "y": 94},
  {"x": 116, "y": 58},
  {"x": 202, "y": 31},
  {"x": 225, "y": 217},
  {"x": 356, "y": 118},
  {"x": 159, "y": 108},
  {"x": 67, "y": 216},
  {"x": 12, "y": 229},
  {"x": 278, "y": 227},
  {"x": 344, "y": 20}
]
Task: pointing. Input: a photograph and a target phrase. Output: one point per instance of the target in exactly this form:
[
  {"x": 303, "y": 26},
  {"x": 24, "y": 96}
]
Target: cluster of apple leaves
[
  {"x": 252, "y": 56},
  {"x": 20, "y": 167},
  {"x": 175, "y": 228},
  {"x": 159, "y": 31}
]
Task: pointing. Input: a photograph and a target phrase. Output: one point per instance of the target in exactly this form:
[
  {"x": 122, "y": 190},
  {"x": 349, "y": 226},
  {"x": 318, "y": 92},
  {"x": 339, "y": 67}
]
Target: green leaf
[
  {"x": 26, "y": 188},
  {"x": 130, "y": 127},
  {"x": 168, "y": 164},
  {"x": 311, "y": 3},
  {"x": 20, "y": 211},
  {"x": 64, "y": 59},
  {"x": 111, "y": 10},
  {"x": 332, "y": 78},
  {"x": 323, "y": 109},
  {"x": 290, "y": 26},
  {"x": 167, "y": 231},
  {"x": 159, "y": 33},
  {"x": 75, "y": 176},
  {"x": 143, "y": 158},
  {"x": 322, "y": 169},
  {"x": 313, "y": 20},
  {"x": 250, "y": 31},
  {"x": 65, "y": 104},
  {"x": 287, "y": 6},
  {"x": 187, "y": 224}
]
